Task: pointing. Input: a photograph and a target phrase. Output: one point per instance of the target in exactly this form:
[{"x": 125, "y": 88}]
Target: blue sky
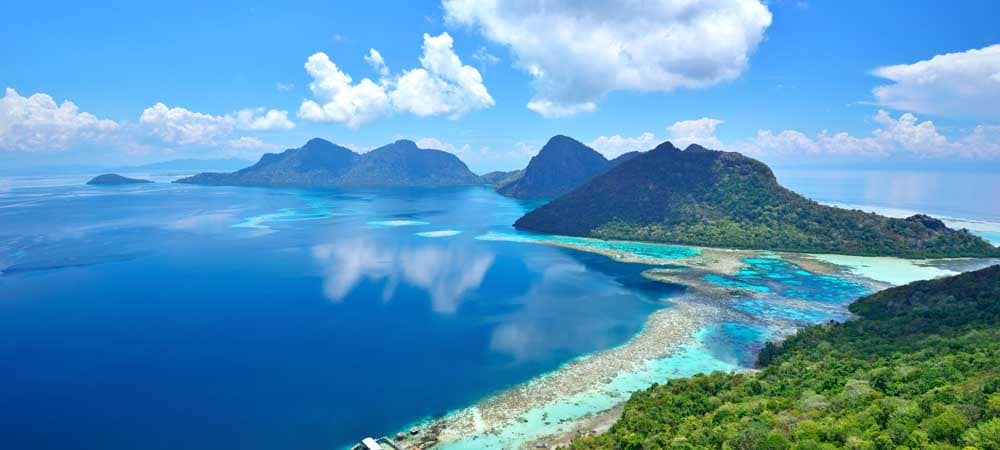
[{"x": 763, "y": 78}]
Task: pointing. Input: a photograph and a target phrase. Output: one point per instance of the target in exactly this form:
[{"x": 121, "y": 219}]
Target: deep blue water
[{"x": 183, "y": 317}]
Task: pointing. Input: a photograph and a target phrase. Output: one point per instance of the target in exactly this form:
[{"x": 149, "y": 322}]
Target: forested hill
[
  {"x": 560, "y": 166},
  {"x": 920, "y": 368},
  {"x": 320, "y": 163},
  {"x": 724, "y": 199}
]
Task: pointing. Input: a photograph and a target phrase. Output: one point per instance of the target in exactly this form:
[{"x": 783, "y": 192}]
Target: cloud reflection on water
[
  {"x": 570, "y": 310},
  {"x": 446, "y": 273}
]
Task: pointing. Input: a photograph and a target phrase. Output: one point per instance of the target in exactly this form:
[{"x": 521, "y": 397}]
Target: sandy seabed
[{"x": 585, "y": 395}]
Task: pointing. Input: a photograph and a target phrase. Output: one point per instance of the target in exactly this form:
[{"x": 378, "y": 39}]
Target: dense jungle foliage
[{"x": 918, "y": 369}]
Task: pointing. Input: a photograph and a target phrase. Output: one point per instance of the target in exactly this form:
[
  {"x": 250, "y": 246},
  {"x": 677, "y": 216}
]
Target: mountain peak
[
  {"x": 561, "y": 138},
  {"x": 695, "y": 148},
  {"x": 725, "y": 199},
  {"x": 561, "y": 165},
  {"x": 317, "y": 143},
  {"x": 321, "y": 163},
  {"x": 405, "y": 143},
  {"x": 666, "y": 146}
]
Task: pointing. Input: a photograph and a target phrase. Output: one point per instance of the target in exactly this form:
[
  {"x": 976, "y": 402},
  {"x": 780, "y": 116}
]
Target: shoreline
[
  {"x": 586, "y": 395},
  {"x": 554, "y": 402}
]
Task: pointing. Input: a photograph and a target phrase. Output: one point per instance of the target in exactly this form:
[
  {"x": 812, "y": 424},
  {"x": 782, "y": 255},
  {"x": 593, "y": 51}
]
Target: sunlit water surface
[{"x": 168, "y": 316}]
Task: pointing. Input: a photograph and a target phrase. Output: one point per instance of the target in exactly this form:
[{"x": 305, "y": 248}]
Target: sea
[{"x": 167, "y": 316}]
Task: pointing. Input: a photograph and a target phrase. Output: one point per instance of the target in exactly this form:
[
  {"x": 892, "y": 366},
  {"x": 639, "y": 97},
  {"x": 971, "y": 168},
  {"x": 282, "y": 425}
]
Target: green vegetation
[
  {"x": 720, "y": 199},
  {"x": 919, "y": 369}
]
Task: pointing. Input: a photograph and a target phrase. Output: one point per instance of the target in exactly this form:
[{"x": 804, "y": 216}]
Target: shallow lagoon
[{"x": 166, "y": 316}]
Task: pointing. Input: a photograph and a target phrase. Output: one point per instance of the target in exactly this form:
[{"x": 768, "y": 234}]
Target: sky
[{"x": 797, "y": 83}]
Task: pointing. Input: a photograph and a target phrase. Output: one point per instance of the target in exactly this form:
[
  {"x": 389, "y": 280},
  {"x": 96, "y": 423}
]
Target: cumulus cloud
[
  {"x": 482, "y": 158},
  {"x": 682, "y": 133},
  {"x": 261, "y": 119},
  {"x": 964, "y": 84},
  {"x": 39, "y": 123},
  {"x": 185, "y": 127},
  {"x": 249, "y": 143},
  {"x": 337, "y": 99},
  {"x": 577, "y": 51},
  {"x": 614, "y": 146},
  {"x": 905, "y": 135},
  {"x": 697, "y": 131},
  {"x": 547, "y": 108},
  {"x": 375, "y": 59},
  {"x": 442, "y": 85}
]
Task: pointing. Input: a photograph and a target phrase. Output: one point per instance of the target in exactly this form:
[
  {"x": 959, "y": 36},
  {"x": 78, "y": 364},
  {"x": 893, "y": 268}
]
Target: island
[
  {"x": 113, "y": 179},
  {"x": 722, "y": 199},
  {"x": 917, "y": 369},
  {"x": 321, "y": 163}
]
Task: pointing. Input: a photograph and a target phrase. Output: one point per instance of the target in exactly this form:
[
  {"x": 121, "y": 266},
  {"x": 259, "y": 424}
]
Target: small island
[{"x": 113, "y": 179}]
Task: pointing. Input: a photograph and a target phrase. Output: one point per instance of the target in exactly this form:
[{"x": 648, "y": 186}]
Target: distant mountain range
[
  {"x": 724, "y": 199},
  {"x": 560, "y": 166},
  {"x": 320, "y": 163}
]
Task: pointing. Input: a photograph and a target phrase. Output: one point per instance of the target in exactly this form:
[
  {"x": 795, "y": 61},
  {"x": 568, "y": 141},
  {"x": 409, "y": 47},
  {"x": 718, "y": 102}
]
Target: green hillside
[
  {"x": 920, "y": 368},
  {"x": 724, "y": 199}
]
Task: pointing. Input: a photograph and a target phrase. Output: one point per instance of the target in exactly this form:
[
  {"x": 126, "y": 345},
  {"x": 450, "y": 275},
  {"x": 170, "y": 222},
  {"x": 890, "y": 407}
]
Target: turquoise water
[
  {"x": 172, "y": 316},
  {"x": 637, "y": 250},
  {"x": 781, "y": 278}
]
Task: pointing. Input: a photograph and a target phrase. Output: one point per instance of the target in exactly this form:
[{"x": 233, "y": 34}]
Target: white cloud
[
  {"x": 546, "y": 108},
  {"x": 697, "y": 131},
  {"x": 579, "y": 51},
  {"x": 284, "y": 87},
  {"x": 338, "y": 99},
  {"x": 964, "y": 84},
  {"x": 682, "y": 133},
  {"x": 484, "y": 159},
  {"x": 484, "y": 57},
  {"x": 261, "y": 119},
  {"x": 442, "y": 85},
  {"x": 614, "y": 146},
  {"x": 185, "y": 127},
  {"x": 905, "y": 135},
  {"x": 249, "y": 143},
  {"x": 38, "y": 123},
  {"x": 375, "y": 59},
  {"x": 435, "y": 144}
]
